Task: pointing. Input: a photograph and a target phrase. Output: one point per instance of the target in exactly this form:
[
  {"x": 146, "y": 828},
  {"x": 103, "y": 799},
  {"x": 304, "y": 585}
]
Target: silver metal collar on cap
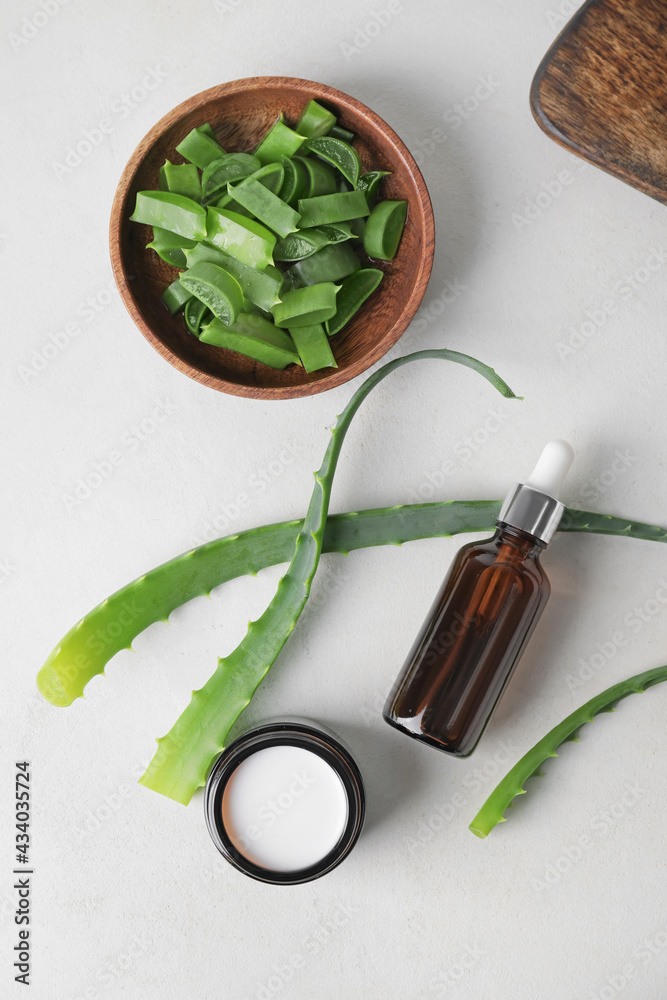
[{"x": 531, "y": 511}]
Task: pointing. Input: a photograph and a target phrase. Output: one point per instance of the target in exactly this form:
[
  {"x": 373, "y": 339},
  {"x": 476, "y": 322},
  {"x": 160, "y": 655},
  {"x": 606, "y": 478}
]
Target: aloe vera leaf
[
  {"x": 116, "y": 622},
  {"x": 184, "y": 755},
  {"x": 608, "y": 524},
  {"x": 567, "y": 731}
]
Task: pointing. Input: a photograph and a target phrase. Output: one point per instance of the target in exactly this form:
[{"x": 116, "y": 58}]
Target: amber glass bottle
[{"x": 482, "y": 618}]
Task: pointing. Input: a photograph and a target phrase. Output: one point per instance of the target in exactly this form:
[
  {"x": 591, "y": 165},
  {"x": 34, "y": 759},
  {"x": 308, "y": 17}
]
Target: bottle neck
[
  {"x": 530, "y": 510},
  {"x": 517, "y": 543}
]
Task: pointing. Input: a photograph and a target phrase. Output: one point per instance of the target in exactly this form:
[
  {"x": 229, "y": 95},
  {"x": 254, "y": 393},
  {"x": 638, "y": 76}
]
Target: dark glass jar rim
[{"x": 285, "y": 733}]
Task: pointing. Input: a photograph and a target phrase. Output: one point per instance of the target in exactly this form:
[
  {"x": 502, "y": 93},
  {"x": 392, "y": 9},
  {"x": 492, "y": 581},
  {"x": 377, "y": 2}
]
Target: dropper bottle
[{"x": 482, "y": 618}]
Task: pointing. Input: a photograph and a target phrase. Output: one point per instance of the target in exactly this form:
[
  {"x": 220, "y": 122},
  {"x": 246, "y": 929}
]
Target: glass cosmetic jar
[{"x": 285, "y": 802}]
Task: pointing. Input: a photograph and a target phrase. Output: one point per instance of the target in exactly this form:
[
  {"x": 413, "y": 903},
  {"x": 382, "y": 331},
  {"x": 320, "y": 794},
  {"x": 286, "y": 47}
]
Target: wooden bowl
[{"x": 240, "y": 114}]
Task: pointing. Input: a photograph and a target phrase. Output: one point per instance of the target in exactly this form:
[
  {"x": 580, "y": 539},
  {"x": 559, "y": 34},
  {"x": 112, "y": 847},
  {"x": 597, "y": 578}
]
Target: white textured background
[{"x": 132, "y": 901}]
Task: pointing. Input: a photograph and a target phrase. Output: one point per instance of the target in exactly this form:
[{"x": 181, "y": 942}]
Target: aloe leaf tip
[{"x": 503, "y": 795}]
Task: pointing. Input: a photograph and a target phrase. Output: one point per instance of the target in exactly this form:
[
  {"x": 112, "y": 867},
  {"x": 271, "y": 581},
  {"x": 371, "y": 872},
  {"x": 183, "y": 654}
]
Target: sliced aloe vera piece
[
  {"x": 271, "y": 175},
  {"x": 194, "y": 313},
  {"x": 170, "y": 246},
  {"x": 265, "y": 206},
  {"x": 370, "y": 184},
  {"x": 216, "y": 288},
  {"x": 175, "y": 296},
  {"x": 218, "y": 173},
  {"x": 262, "y": 288},
  {"x": 180, "y": 178},
  {"x": 321, "y": 179},
  {"x": 254, "y": 337},
  {"x": 279, "y": 141},
  {"x": 315, "y": 120},
  {"x": 295, "y": 181},
  {"x": 313, "y": 346},
  {"x": 339, "y": 154},
  {"x": 384, "y": 228},
  {"x": 305, "y": 242},
  {"x": 353, "y": 293},
  {"x": 331, "y": 263},
  {"x": 306, "y": 306},
  {"x": 200, "y": 147},
  {"x": 247, "y": 240}
]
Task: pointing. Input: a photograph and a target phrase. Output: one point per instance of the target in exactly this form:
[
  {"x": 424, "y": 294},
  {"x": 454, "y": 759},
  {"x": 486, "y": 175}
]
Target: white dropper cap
[
  {"x": 533, "y": 506},
  {"x": 552, "y": 467}
]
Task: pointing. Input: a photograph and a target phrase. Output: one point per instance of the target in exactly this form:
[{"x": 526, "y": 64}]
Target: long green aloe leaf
[
  {"x": 184, "y": 755},
  {"x": 567, "y": 731},
  {"x": 115, "y": 623}
]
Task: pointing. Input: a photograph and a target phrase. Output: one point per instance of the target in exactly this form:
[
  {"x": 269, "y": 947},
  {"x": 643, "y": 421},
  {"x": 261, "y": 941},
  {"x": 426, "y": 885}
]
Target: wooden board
[{"x": 601, "y": 90}]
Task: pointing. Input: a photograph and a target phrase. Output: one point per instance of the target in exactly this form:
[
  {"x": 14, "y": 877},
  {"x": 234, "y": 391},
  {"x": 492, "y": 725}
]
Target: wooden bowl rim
[{"x": 376, "y": 350}]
